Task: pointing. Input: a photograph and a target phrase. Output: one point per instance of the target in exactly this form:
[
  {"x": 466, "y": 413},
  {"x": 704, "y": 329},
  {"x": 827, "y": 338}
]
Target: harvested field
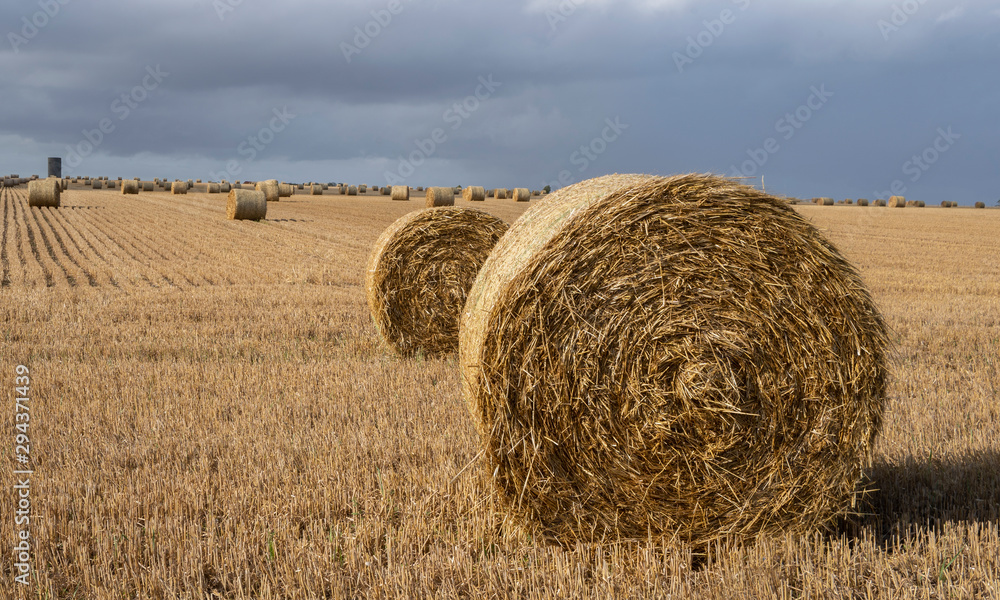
[{"x": 206, "y": 426}]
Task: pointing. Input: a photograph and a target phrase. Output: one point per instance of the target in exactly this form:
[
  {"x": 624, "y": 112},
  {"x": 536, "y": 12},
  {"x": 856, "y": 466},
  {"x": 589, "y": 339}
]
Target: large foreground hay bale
[
  {"x": 400, "y": 192},
  {"x": 420, "y": 272},
  {"x": 270, "y": 189},
  {"x": 474, "y": 193},
  {"x": 521, "y": 194},
  {"x": 249, "y": 205},
  {"x": 671, "y": 357},
  {"x": 179, "y": 187},
  {"x": 130, "y": 186},
  {"x": 44, "y": 192},
  {"x": 440, "y": 196},
  {"x": 897, "y": 202}
]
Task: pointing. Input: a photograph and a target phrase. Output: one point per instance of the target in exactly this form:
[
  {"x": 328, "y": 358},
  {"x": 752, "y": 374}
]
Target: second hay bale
[{"x": 420, "y": 272}]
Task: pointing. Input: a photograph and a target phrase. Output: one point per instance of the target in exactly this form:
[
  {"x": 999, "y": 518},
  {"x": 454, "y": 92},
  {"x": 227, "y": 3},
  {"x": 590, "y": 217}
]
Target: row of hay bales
[
  {"x": 742, "y": 399},
  {"x": 893, "y": 202}
]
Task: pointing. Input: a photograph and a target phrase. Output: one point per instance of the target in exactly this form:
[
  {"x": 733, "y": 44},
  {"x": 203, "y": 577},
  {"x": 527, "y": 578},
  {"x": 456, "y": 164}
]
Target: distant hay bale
[
  {"x": 130, "y": 186},
  {"x": 301, "y": 186},
  {"x": 179, "y": 187},
  {"x": 825, "y": 202},
  {"x": 213, "y": 188},
  {"x": 400, "y": 192},
  {"x": 474, "y": 193},
  {"x": 146, "y": 186},
  {"x": 246, "y": 205},
  {"x": 44, "y": 192},
  {"x": 440, "y": 196},
  {"x": 980, "y": 205},
  {"x": 420, "y": 272},
  {"x": 285, "y": 190},
  {"x": 385, "y": 190},
  {"x": 848, "y": 201},
  {"x": 500, "y": 193},
  {"x": 945, "y": 204},
  {"x": 362, "y": 188},
  {"x": 920, "y": 204},
  {"x": 862, "y": 202},
  {"x": 325, "y": 187},
  {"x": 880, "y": 202},
  {"x": 352, "y": 190},
  {"x": 236, "y": 185},
  {"x": 489, "y": 193},
  {"x": 270, "y": 189},
  {"x": 316, "y": 190},
  {"x": 897, "y": 202},
  {"x": 420, "y": 188},
  {"x": 521, "y": 194},
  {"x": 97, "y": 184},
  {"x": 225, "y": 188},
  {"x": 671, "y": 358},
  {"x": 198, "y": 181}
]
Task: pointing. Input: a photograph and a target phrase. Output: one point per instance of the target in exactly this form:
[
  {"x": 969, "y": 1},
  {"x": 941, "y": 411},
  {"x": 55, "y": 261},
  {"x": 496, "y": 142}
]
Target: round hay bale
[
  {"x": 285, "y": 190},
  {"x": 420, "y": 188},
  {"x": 945, "y": 204},
  {"x": 500, "y": 193},
  {"x": 400, "y": 192},
  {"x": 385, "y": 190},
  {"x": 130, "y": 186},
  {"x": 489, "y": 193},
  {"x": 521, "y": 194},
  {"x": 897, "y": 202},
  {"x": 44, "y": 192},
  {"x": 848, "y": 201},
  {"x": 178, "y": 187},
  {"x": 325, "y": 187},
  {"x": 980, "y": 205},
  {"x": 880, "y": 202},
  {"x": 316, "y": 190},
  {"x": 680, "y": 357},
  {"x": 920, "y": 204},
  {"x": 270, "y": 189},
  {"x": 825, "y": 202},
  {"x": 862, "y": 202},
  {"x": 246, "y": 205},
  {"x": 146, "y": 186},
  {"x": 236, "y": 185},
  {"x": 97, "y": 184},
  {"x": 225, "y": 188},
  {"x": 420, "y": 272},
  {"x": 352, "y": 190},
  {"x": 439, "y": 196},
  {"x": 301, "y": 186},
  {"x": 474, "y": 193},
  {"x": 362, "y": 188},
  {"x": 213, "y": 188}
]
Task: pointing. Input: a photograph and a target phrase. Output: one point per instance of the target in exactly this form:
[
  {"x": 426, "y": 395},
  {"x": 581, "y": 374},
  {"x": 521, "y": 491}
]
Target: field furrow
[
  {"x": 5, "y": 199},
  {"x": 101, "y": 269},
  {"x": 36, "y": 271},
  {"x": 47, "y": 249},
  {"x": 134, "y": 250},
  {"x": 64, "y": 249},
  {"x": 130, "y": 271}
]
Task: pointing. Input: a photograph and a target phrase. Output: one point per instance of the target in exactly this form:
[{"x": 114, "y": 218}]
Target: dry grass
[{"x": 206, "y": 425}]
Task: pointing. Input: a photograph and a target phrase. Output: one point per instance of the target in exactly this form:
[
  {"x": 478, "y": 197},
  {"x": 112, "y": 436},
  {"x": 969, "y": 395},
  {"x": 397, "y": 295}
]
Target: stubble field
[{"x": 212, "y": 415}]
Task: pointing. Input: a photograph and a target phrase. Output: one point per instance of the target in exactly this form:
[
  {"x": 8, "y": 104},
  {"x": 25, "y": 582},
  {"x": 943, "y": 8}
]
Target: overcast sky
[{"x": 846, "y": 99}]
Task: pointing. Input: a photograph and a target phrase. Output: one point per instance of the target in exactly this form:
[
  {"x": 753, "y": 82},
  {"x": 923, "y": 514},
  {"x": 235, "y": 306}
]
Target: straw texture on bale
[
  {"x": 248, "y": 205},
  {"x": 880, "y": 202},
  {"x": 362, "y": 188},
  {"x": 385, "y": 190},
  {"x": 474, "y": 193},
  {"x": 440, "y": 196},
  {"x": 825, "y": 201},
  {"x": 130, "y": 186},
  {"x": 400, "y": 192},
  {"x": 97, "y": 184},
  {"x": 980, "y": 205},
  {"x": 285, "y": 190},
  {"x": 224, "y": 188},
  {"x": 44, "y": 192},
  {"x": 420, "y": 272},
  {"x": 352, "y": 190},
  {"x": 213, "y": 188},
  {"x": 270, "y": 189},
  {"x": 521, "y": 194},
  {"x": 316, "y": 190},
  {"x": 146, "y": 186},
  {"x": 897, "y": 202},
  {"x": 680, "y": 357},
  {"x": 179, "y": 187},
  {"x": 862, "y": 202},
  {"x": 500, "y": 194}
]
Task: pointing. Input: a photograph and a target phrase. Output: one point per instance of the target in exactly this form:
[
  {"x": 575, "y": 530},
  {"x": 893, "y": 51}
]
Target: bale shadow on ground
[{"x": 925, "y": 493}]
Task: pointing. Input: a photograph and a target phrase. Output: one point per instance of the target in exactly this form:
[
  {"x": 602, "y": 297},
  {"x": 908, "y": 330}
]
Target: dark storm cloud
[{"x": 699, "y": 86}]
